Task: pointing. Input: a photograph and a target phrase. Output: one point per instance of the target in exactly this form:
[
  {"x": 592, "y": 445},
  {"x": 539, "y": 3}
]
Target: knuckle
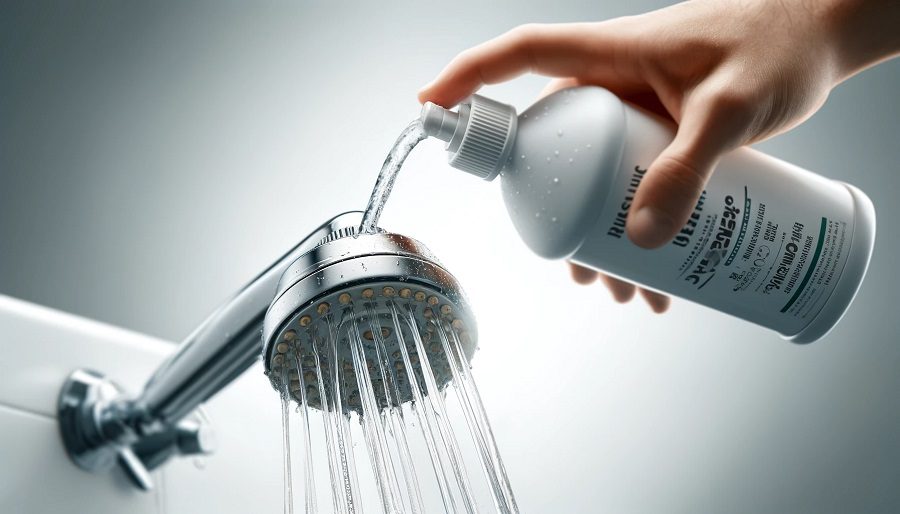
[
  {"x": 735, "y": 96},
  {"x": 728, "y": 110},
  {"x": 732, "y": 101},
  {"x": 523, "y": 36},
  {"x": 525, "y": 31},
  {"x": 464, "y": 57},
  {"x": 680, "y": 179}
]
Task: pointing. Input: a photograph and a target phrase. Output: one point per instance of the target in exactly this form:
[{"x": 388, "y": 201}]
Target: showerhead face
[{"x": 369, "y": 316}]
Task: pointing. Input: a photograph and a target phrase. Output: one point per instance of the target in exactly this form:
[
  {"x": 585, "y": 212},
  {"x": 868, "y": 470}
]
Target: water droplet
[
  {"x": 553, "y": 219},
  {"x": 556, "y": 180},
  {"x": 528, "y": 167},
  {"x": 575, "y": 149},
  {"x": 587, "y": 145},
  {"x": 571, "y": 160},
  {"x": 559, "y": 133},
  {"x": 548, "y": 159},
  {"x": 525, "y": 116},
  {"x": 523, "y": 156},
  {"x": 537, "y": 215},
  {"x": 556, "y": 153}
]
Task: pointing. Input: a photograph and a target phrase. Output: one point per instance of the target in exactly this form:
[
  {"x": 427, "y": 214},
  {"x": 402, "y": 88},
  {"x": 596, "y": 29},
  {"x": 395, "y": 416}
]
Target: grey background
[{"x": 154, "y": 156}]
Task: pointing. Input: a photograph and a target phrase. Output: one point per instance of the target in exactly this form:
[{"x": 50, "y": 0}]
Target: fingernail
[{"x": 649, "y": 227}]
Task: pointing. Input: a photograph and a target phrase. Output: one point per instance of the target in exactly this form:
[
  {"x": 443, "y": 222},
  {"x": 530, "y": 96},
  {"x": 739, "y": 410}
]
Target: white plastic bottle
[{"x": 768, "y": 242}]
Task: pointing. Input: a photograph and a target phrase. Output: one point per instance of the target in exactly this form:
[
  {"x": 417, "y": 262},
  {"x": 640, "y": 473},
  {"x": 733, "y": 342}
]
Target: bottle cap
[{"x": 479, "y": 136}]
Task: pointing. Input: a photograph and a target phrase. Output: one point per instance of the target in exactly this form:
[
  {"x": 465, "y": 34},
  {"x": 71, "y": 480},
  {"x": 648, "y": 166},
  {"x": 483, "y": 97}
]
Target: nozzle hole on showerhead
[{"x": 387, "y": 333}]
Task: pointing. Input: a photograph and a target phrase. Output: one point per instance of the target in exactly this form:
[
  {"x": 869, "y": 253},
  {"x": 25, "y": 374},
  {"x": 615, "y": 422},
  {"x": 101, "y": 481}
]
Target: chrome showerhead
[
  {"x": 369, "y": 327},
  {"x": 384, "y": 295}
]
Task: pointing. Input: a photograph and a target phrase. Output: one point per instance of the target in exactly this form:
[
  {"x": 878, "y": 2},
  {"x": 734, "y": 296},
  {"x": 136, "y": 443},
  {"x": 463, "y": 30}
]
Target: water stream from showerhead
[
  {"x": 390, "y": 389},
  {"x": 367, "y": 335}
]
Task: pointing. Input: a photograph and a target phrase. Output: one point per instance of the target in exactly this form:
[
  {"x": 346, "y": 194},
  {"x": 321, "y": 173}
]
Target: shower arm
[{"x": 101, "y": 425}]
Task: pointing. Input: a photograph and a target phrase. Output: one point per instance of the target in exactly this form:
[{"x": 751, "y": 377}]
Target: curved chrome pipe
[
  {"x": 227, "y": 343},
  {"x": 101, "y": 425}
]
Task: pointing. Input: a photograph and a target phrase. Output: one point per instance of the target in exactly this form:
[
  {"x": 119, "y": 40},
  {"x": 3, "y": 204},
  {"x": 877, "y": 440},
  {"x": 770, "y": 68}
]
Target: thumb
[{"x": 674, "y": 181}]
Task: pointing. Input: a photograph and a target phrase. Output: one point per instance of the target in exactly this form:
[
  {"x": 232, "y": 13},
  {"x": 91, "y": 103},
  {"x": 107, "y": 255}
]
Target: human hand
[{"x": 728, "y": 72}]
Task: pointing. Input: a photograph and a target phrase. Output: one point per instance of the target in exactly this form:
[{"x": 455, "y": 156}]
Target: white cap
[{"x": 479, "y": 137}]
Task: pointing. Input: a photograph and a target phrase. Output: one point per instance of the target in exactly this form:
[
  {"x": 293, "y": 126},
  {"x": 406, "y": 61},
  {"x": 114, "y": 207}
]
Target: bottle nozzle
[
  {"x": 439, "y": 122},
  {"x": 479, "y": 137}
]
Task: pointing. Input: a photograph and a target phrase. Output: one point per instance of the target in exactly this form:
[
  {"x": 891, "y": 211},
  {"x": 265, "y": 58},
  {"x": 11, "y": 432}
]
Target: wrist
[{"x": 860, "y": 33}]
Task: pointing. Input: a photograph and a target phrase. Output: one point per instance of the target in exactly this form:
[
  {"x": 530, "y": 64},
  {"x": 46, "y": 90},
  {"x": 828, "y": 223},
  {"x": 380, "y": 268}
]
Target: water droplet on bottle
[
  {"x": 553, "y": 219},
  {"x": 571, "y": 160},
  {"x": 537, "y": 215},
  {"x": 559, "y": 133},
  {"x": 587, "y": 145},
  {"x": 528, "y": 167},
  {"x": 556, "y": 153},
  {"x": 548, "y": 159},
  {"x": 556, "y": 180},
  {"x": 575, "y": 149},
  {"x": 523, "y": 156}
]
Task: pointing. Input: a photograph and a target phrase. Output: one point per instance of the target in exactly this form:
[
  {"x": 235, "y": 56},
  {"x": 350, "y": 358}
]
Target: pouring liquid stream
[{"x": 409, "y": 138}]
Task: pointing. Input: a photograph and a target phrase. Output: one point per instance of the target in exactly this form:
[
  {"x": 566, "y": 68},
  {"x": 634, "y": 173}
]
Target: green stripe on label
[{"x": 812, "y": 266}]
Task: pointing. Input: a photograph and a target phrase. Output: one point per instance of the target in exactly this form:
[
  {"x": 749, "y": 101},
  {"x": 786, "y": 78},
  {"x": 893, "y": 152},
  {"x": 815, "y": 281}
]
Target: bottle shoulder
[{"x": 567, "y": 151}]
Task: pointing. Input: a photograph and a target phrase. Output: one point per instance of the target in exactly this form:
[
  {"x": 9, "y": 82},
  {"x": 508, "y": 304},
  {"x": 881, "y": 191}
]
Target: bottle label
[{"x": 767, "y": 241}]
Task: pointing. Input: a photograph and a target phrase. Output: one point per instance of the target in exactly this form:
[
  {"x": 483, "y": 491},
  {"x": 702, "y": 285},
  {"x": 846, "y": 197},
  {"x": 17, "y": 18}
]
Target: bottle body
[{"x": 767, "y": 242}]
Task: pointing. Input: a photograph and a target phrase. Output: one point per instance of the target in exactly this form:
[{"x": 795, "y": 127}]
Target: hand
[{"x": 729, "y": 72}]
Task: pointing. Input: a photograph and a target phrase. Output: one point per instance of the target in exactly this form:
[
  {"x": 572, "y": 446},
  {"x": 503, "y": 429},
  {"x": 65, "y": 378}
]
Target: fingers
[
  {"x": 582, "y": 275},
  {"x": 556, "y": 50},
  {"x": 558, "y": 84},
  {"x": 659, "y": 303},
  {"x": 621, "y": 291},
  {"x": 709, "y": 127}
]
